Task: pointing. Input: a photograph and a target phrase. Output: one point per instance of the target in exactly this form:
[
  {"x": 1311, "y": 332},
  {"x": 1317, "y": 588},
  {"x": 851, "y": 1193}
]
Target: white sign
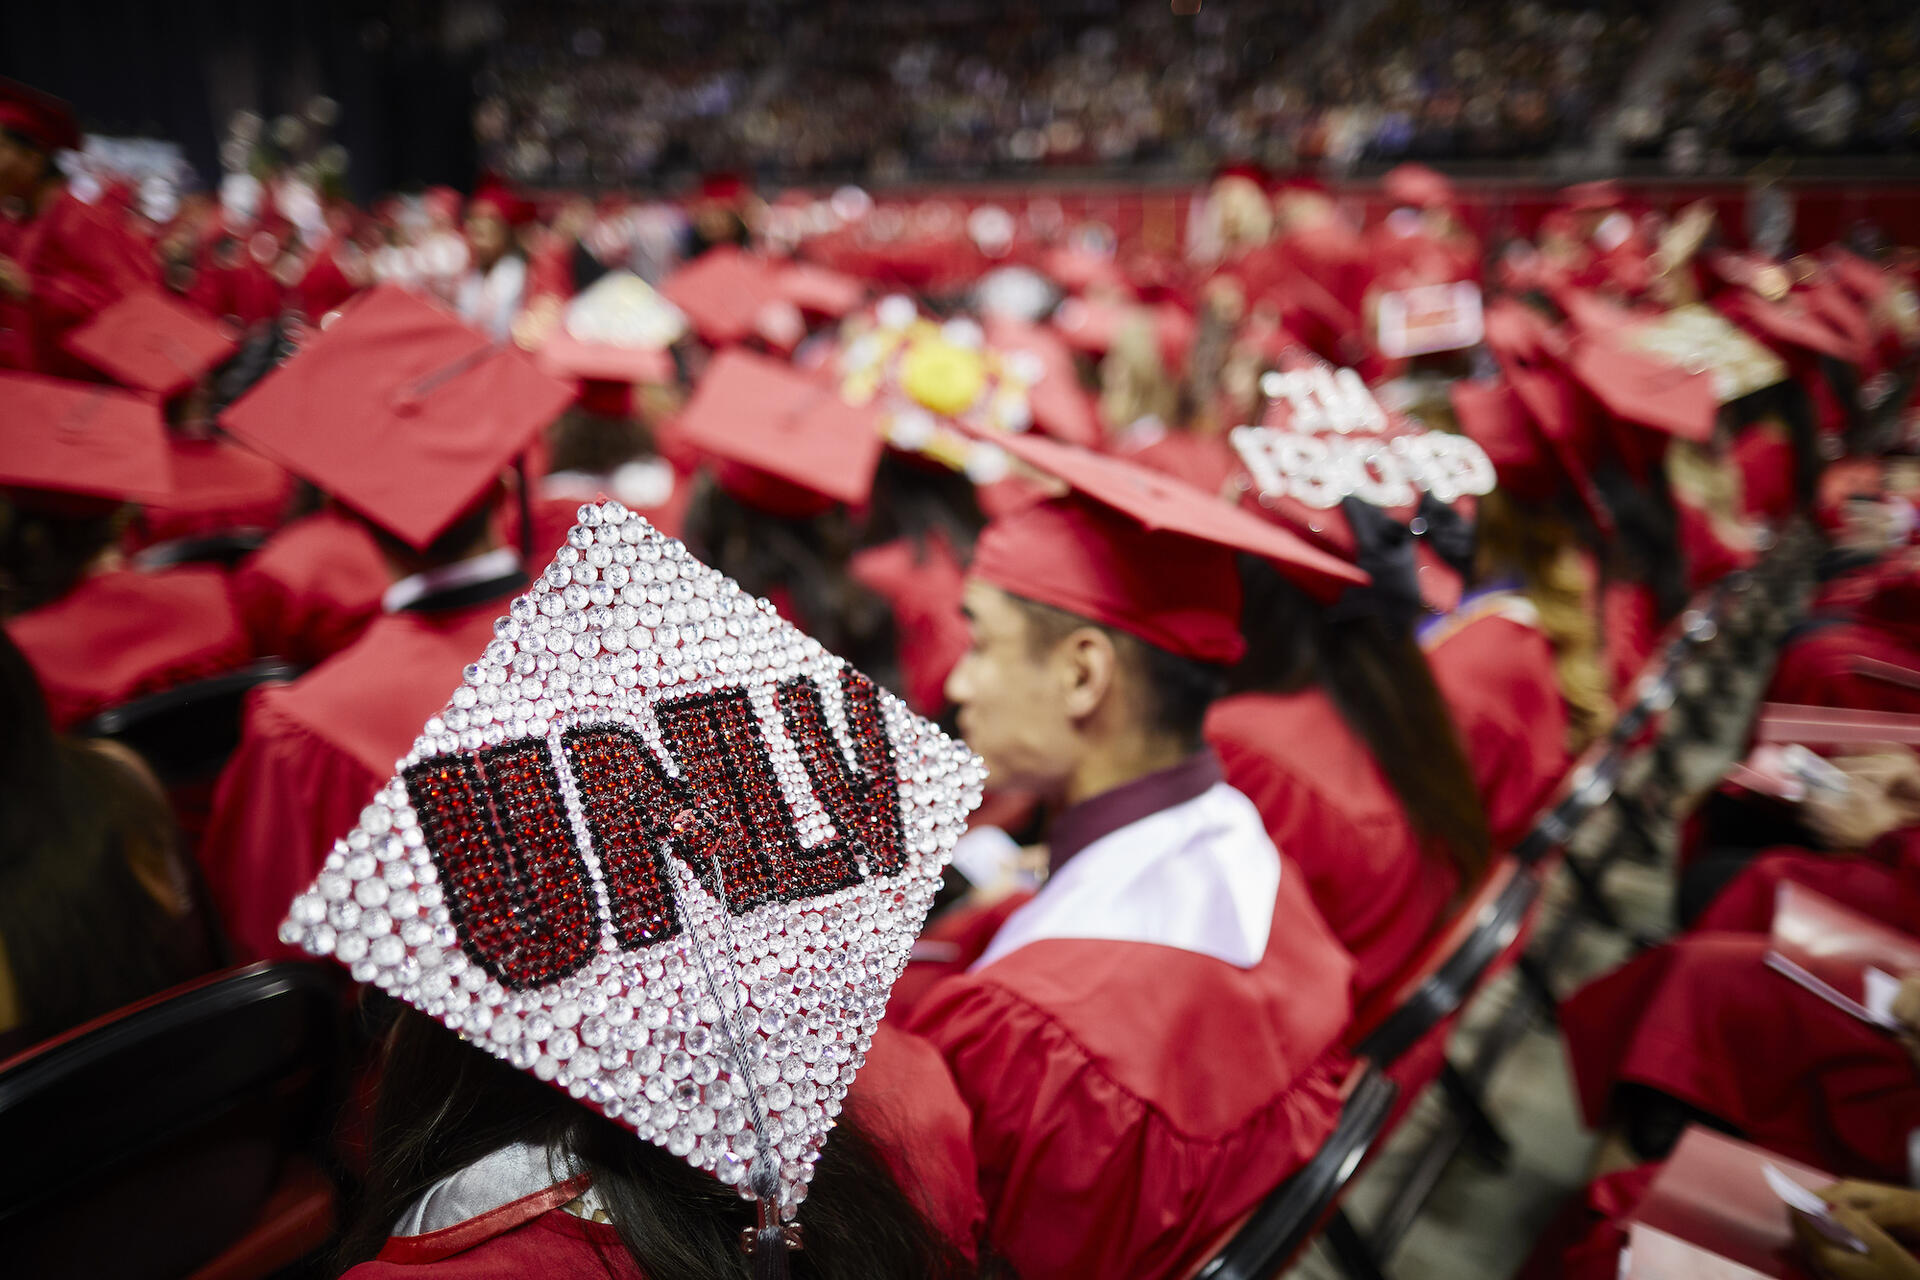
[
  {"x": 1430, "y": 318},
  {"x": 1388, "y": 472}
]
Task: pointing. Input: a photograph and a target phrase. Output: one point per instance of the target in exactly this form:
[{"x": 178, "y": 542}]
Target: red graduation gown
[
  {"x": 123, "y": 634},
  {"x": 1328, "y": 808},
  {"x": 1882, "y": 883},
  {"x": 1702, "y": 1020},
  {"x": 1497, "y": 675},
  {"x": 217, "y": 487},
  {"x": 314, "y": 752},
  {"x": 79, "y": 258},
  {"x": 312, "y": 588},
  {"x": 1816, "y": 670},
  {"x": 1131, "y": 1099}
]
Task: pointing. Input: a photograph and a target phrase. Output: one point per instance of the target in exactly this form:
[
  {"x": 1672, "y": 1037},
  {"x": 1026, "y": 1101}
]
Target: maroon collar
[{"x": 1122, "y": 806}]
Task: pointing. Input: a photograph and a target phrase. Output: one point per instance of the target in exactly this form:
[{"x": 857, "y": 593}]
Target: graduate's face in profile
[{"x": 1014, "y": 706}]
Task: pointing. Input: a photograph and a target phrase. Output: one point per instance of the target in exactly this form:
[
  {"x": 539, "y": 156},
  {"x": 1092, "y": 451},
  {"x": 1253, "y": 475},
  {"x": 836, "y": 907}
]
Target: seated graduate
[
  {"x": 1338, "y": 732},
  {"x": 97, "y": 631},
  {"x": 1151, "y": 1043},
  {"x": 1702, "y": 1030},
  {"x": 406, "y": 419},
  {"x": 96, "y": 904},
  {"x": 679, "y": 892}
]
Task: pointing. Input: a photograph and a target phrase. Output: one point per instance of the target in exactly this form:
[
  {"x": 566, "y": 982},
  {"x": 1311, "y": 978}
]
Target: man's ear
[{"x": 1089, "y": 668}]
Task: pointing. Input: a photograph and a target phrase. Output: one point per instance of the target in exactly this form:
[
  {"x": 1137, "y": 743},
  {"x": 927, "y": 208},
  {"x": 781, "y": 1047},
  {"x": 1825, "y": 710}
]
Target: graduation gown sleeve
[
  {"x": 1498, "y": 678},
  {"x": 285, "y": 797},
  {"x": 1327, "y": 808},
  {"x": 1086, "y": 1173},
  {"x": 312, "y": 588}
]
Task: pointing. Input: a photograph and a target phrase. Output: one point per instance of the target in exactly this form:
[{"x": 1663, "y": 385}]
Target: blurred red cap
[
  {"x": 783, "y": 442},
  {"x": 40, "y": 118},
  {"x": 149, "y": 342},
  {"x": 400, "y": 412},
  {"x": 83, "y": 439}
]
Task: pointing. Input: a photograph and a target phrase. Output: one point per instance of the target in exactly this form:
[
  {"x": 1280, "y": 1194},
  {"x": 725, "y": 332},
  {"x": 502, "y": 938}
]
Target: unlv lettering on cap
[{"x": 520, "y": 892}]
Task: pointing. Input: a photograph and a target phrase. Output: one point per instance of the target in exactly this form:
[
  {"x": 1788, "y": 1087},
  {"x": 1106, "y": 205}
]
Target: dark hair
[
  {"x": 915, "y": 500},
  {"x": 82, "y": 934},
  {"x": 806, "y": 558},
  {"x": 463, "y": 538},
  {"x": 1177, "y": 691},
  {"x": 1646, "y": 544},
  {"x": 597, "y": 444},
  {"x": 44, "y": 552},
  {"x": 1380, "y": 683},
  {"x": 444, "y": 1104}
]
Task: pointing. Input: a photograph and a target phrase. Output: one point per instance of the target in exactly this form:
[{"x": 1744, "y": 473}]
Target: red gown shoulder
[
  {"x": 554, "y": 1246},
  {"x": 312, "y": 588},
  {"x": 124, "y": 634},
  {"x": 1116, "y": 1123},
  {"x": 1497, "y": 675},
  {"x": 313, "y": 752},
  {"x": 1328, "y": 808}
]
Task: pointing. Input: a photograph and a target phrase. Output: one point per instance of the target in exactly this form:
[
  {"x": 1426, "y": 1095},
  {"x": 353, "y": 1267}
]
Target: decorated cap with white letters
[{"x": 661, "y": 850}]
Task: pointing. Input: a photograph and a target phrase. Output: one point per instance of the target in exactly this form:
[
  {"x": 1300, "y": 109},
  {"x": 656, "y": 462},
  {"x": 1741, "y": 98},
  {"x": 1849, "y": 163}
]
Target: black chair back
[
  {"x": 1283, "y": 1223},
  {"x": 187, "y": 733},
  {"x": 226, "y": 548},
  {"x": 145, "y": 1142}
]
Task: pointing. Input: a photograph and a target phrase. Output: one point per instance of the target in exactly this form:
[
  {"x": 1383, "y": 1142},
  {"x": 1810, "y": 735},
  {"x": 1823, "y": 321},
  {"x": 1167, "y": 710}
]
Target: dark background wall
[{"x": 178, "y": 69}]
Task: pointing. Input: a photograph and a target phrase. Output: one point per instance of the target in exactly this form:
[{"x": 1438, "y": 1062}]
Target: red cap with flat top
[
  {"x": 722, "y": 292},
  {"x": 400, "y": 412},
  {"x": 40, "y": 118},
  {"x": 785, "y": 443},
  {"x": 1141, "y": 552},
  {"x": 149, "y": 342},
  {"x": 1642, "y": 389},
  {"x": 82, "y": 439},
  {"x": 1418, "y": 186}
]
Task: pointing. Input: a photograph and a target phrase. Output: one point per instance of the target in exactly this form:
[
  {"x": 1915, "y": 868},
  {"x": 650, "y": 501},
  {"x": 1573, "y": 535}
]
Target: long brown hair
[
  {"x": 1380, "y": 683},
  {"x": 1543, "y": 550}
]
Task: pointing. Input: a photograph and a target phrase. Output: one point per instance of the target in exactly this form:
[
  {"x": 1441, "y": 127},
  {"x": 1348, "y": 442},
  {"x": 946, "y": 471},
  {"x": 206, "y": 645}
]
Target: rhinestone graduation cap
[{"x": 660, "y": 849}]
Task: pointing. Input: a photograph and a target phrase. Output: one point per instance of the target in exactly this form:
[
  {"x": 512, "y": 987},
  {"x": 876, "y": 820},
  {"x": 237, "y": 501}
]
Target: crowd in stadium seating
[{"x": 602, "y": 94}]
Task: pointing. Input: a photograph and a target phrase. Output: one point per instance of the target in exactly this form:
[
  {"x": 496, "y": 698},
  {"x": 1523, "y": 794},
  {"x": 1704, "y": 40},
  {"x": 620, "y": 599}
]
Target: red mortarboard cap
[
  {"x": 1788, "y": 321},
  {"x": 1058, "y": 404},
  {"x": 151, "y": 343},
  {"x": 1492, "y": 416},
  {"x": 1642, "y": 389},
  {"x": 82, "y": 438},
  {"x": 819, "y": 290},
  {"x": 565, "y": 356},
  {"x": 1091, "y": 325},
  {"x": 400, "y": 412},
  {"x": 605, "y": 397},
  {"x": 722, "y": 292},
  {"x": 1247, "y": 169},
  {"x": 496, "y": 198},
  {"x": 40, "y": 118},
  {"x": 1419, "y": 186},
  {"x": 1591, "y": 197},
  {"x": 722, "y": 186},
  {"x": 1141, "y": 552},
  {"x": 774, "y": 423}
]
